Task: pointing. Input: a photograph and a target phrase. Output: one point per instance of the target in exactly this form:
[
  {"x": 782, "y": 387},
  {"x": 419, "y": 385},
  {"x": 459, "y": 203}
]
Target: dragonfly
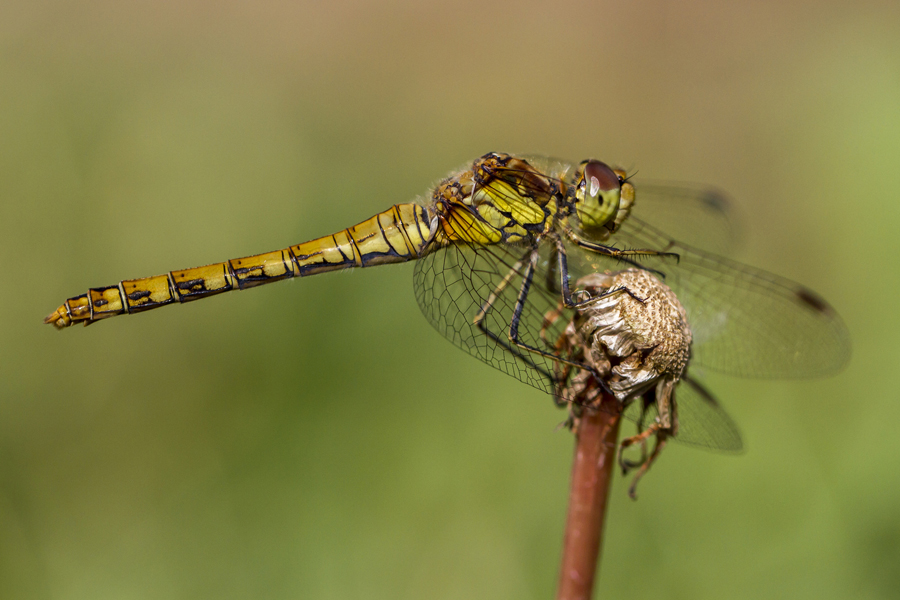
[{"x": 503, "y": 241}]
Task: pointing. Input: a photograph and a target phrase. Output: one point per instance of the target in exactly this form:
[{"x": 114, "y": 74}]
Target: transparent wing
[
  {"x": 745, "y": 321},
  {"x": 702, "y": 422},
  {"x": 701, "y": 216},
  {"x": 454, "y": 284}
]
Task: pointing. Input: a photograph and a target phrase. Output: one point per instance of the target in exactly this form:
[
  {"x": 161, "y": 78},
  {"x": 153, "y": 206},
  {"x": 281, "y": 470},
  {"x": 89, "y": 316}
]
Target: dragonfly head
[{"x": 603, "y": 197}]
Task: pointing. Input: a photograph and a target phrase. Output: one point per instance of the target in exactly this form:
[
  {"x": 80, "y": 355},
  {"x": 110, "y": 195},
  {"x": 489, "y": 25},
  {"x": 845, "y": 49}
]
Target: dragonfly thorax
[{"x": 501, "y": 198}]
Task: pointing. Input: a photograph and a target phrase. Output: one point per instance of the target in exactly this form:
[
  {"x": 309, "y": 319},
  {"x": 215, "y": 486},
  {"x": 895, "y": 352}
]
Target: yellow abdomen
[{"x": 398, "y": 234}]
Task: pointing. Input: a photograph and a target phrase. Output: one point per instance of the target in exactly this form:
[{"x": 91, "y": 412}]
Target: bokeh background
[{"x": 316, "y": 438}]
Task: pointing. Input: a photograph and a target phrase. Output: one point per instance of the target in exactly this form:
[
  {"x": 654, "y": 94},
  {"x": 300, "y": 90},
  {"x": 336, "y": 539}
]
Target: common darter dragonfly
[{"x": 502, "y": 242}]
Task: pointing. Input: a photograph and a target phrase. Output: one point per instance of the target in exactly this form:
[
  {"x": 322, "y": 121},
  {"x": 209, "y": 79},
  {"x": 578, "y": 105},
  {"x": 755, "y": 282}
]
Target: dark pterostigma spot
[
  {"x": 716, "y": 200},
  {"x": 809, "y": 298}
]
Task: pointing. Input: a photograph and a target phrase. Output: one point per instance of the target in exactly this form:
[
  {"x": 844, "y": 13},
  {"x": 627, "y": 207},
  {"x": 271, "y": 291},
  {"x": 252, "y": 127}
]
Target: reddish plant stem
[{"x": 595, "y": 456}]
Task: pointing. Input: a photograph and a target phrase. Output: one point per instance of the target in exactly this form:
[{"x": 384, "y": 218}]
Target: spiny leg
[
  {"x": 532, "y": 257},
  {"x": 616, "y": 252},
  {"x": 641, "y": 439},
  {"x": 513, "y": 333},
  {"x": 626, "y": 464},
  {"x": 516, "y": 347},
  {"x": 479, "y": 320},
  {"x": 550, "y": 319},
  {"x": 622, "y": 255},
  {"x": 562, "y": 267},
  {"x": 660, "y": 431},
  {"x": 570, "y": 343},
  {"x": 662, "y": 438}
]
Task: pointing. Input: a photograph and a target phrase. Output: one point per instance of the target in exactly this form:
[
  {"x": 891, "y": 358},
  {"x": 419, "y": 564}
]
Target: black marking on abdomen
[
  {"x": 341, "y": 250},
  {"x": 192, "y": 285},
  {"x": 323, "y": 267},
  {"x": 306, "y": 256},
  {"x": 229, "y": 272},
  {"x": 372, "y": 257},
  {"x": 355, "y": 248}
]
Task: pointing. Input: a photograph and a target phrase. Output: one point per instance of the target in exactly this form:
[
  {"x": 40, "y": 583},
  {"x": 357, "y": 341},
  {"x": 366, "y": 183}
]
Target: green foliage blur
[{"x": 316, "y": 438}]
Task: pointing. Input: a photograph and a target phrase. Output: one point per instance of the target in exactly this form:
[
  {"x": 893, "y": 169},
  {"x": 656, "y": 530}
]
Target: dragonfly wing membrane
[
  {"x": 701, "y": 216},
  {"x": 454, "y": 285},
  {"x": 746, "y": 321}
]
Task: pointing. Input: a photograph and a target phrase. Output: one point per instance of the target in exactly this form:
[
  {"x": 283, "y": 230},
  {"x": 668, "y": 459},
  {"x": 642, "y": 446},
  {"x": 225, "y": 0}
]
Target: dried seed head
[
  {"x": 635, "y": 335},
  {"x": 638, "y": 328}
]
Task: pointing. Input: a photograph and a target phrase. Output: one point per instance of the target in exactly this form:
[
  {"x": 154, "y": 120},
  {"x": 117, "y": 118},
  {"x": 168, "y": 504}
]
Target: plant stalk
[{"x": 595, "y": 456}]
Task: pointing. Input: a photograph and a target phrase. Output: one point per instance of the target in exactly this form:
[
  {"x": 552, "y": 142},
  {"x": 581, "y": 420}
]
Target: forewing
[
  {"x": 745, "y": 321},
  {"x": 701, "y": 216}
]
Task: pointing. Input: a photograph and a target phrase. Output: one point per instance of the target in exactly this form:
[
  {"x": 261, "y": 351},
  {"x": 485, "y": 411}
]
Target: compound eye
[{"x": 599, "y": 179}]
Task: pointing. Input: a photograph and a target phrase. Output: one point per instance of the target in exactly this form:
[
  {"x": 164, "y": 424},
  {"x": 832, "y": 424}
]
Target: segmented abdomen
[{"x": 399, "y": 234}]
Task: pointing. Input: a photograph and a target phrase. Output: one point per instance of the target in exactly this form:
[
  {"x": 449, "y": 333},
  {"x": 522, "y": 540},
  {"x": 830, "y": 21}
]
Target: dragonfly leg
[
  {"x": 640, "y": 439},
  {"x": 479, "y": 321},
  {"x": 616, "y": 252},
  {"x": 513, "y": 333},
  {"x": 567, "y": 297},
  {"x": 662, "y": 439},
  {"x": 662, "y": 428},
  {"x": 512, "y": 343},
  {"x": 550, "y": 320},
  {"x": 622, "y": 255},
  {"x": 561, "y": 371}
]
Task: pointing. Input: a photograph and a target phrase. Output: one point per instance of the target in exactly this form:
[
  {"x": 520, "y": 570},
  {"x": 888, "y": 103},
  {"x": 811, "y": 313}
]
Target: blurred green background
[{"x": 316, "y": 438}]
